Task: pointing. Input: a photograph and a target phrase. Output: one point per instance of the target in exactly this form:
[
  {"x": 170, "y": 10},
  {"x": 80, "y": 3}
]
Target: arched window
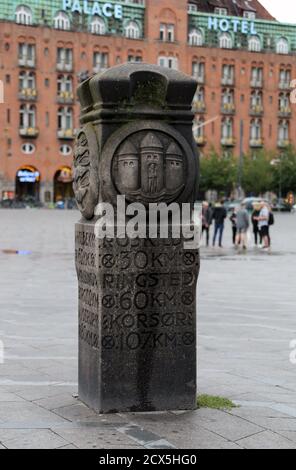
[
  {"x": 227, "y": 97},
  {"x": 27, "y": 80},
  {"x": 225, "y": 41},
  {"x": 61, "y": 21},
  {"x": 284, "y": 102},
  {"x": 227, "y": 128},
  {"x": 132, "y": 30},
  {"x": 23, "y": 15},
  {"x": 283, "y": 131},
  {"x": 254, "y": 44},
  {"x": 282, "y": 46},
  {"x": 256, "y": 129},
  {"x": 199, "y": 127},
  {"x": 27, "y": 116},
  {"x": 65, "y": 85},
  {"x": 65, "y": 118},
  {"x": 98, "y": 26},
  {"x": 195, "y": 37},
  {"x": 169, "y": 62},
  {"x": 256, "y": 101}
]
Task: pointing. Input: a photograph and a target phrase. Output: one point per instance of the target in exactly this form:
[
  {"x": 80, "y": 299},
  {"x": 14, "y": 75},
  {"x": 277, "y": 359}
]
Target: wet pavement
[{"x": 246, "y": 322}]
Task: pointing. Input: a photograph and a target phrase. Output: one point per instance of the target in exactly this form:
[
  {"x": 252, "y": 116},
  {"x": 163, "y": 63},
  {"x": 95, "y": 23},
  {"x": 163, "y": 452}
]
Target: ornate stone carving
[
  {"x": 86, "y": 183},
  {"x": 147, "y": 163}
]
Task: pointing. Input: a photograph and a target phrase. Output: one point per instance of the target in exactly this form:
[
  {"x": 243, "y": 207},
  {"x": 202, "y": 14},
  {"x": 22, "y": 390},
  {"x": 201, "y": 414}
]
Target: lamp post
[{"x": 240, "y": 163}]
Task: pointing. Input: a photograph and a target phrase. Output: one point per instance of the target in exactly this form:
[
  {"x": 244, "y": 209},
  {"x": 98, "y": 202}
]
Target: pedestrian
[
  {"x": 206, "y": 220},
  {"x": 233, "y": 224},
  {"x": 219, "y": 216},
  {"x": 242, "y": 225},
  {"x": 270, "y": 223},
  {"x": 254, "y": 218},
  {"x": 263, "y": 224}
]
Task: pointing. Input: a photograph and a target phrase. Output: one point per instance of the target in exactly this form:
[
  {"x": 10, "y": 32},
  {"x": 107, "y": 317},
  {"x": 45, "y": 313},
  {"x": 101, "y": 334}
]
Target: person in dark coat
[
  {"x": 233, "y": 220},
  {"x": 219, "y": 216},
  {"x": 206, "y": 220},
  {"x": 256, "y": 231}
]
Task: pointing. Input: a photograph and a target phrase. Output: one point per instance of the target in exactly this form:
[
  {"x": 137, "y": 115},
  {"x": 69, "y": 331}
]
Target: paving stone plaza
[{"x": 246, "y": 322}]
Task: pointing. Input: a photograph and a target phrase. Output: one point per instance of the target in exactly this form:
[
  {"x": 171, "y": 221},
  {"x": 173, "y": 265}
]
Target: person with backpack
[{"x": 263, "y": 224}]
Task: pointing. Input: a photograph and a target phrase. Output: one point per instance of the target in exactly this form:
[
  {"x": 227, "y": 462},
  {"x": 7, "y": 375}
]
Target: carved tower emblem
[{"x": 149, "y": 167}]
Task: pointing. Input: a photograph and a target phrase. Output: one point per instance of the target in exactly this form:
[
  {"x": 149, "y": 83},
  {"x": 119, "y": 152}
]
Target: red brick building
[{"x": 242, "y": 58}]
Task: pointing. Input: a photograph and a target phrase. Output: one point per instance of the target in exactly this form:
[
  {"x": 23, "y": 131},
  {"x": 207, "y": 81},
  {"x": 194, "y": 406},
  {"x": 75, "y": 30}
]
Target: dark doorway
[
  {"x": 27, "y": 185},
  {"x": 63, "y": 180}
]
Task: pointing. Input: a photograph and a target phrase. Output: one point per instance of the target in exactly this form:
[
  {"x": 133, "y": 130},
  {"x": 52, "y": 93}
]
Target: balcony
[
  {"x": 227, "y": 81},
  {"x": 65, "y": 97},
  {"x": 283, "y": 143},
  {"x": 32, "y": 132},
  {"x": 64, "y": 66},
  {"x": 285, "y": 85},
  {"x": 200, "y": 140},
  {"x": 228, "y": 108},
  {"x": 256, "y": 83},
  {"x": 25, "y": 62},
  {"x": 28, "y": 94},
  {"x": 256, "y": 143},
  {"x": 66, "y": 134},
  {"x": 228, "y": 141},
  {"x": 199, "y": 107},
  {"x": 256, "y": 110},
  {"x": 285, "y": 112}
]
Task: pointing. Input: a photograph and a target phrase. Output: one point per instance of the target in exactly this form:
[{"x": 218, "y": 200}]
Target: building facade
[{"x": 243, "y": 60}]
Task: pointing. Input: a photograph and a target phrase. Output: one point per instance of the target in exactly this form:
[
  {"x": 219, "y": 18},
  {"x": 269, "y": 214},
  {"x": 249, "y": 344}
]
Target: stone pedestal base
[{"x": 137, "y": 322}]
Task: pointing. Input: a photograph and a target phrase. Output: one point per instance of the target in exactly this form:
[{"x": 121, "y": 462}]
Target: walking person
[
  {"x": 206, "y": 220},
  {"x": 232, "y": 219},
  {"x": 219, "y": 216},
  {"x": 242, "y": 224},
  {"x": 256, "y": 231}
]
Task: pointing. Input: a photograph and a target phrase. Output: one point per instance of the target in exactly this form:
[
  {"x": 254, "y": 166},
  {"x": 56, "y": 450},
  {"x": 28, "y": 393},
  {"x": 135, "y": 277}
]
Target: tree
[
  {"x": 218, "y": 173},
  {"x": 284, "y": 171},
  {"x": 257, "y": 175}
]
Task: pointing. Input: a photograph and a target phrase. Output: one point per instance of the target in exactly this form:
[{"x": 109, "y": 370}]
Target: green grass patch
[{"x": 216, "y": 403}]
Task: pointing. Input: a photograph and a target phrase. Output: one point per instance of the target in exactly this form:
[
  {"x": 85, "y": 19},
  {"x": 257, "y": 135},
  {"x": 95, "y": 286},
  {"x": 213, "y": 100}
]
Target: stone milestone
[{"x": 137, "y": 296}]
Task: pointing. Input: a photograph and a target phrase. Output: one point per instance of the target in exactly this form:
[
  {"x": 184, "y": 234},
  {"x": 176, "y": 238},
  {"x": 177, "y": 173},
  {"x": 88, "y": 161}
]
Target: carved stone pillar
[{"x": 137, "y": 296}]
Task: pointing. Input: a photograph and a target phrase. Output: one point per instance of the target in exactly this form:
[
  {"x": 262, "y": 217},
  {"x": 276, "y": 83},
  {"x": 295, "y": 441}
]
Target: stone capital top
[{"x": 131, "y": 85}]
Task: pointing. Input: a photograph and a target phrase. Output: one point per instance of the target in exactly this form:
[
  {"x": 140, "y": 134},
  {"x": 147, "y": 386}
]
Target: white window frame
[
  {"x": 254, "y": 44},
  {"x": 195, "y": 37},
  {"x": 65, "y": 118},
  {"x": 98, "y": 26},
  {"x": 62, "y": 21},
  {"x": 282, "y": 46},
  {"x": 132, "y": 30},
  {"x": 23, "y": 15},
  {"x": 225, "y": 41}
]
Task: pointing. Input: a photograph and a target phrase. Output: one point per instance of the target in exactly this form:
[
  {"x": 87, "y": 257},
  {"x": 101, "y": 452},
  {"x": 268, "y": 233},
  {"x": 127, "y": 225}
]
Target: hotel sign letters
[
  {"x": 231, "y": 24},
  {"x": 108, "y": 10}
]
